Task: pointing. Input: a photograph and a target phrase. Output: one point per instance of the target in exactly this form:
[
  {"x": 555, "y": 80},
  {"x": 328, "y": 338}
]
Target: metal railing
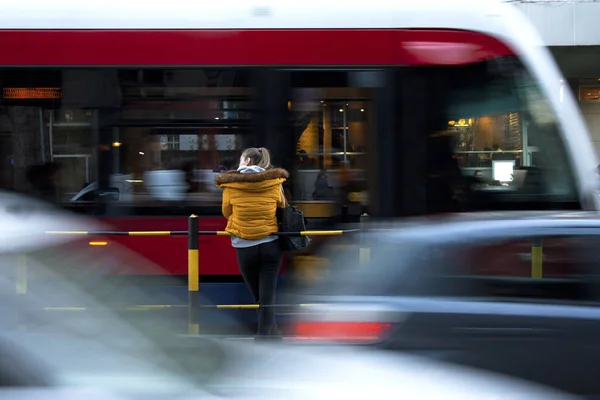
[{"x": 193, "y": 285}]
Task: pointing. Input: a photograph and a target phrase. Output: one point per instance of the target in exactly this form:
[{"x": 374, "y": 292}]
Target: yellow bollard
[
  {"x": 193, "y": 276},
  {"x": 537, "y": 255}
]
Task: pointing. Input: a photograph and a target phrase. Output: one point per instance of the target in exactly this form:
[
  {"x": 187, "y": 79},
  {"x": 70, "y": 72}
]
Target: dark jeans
[{"x": 260, "y": 268}]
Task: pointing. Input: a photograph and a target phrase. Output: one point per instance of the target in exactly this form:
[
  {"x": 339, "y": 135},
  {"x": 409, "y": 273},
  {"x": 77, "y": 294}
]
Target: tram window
[
  {"x": 179, "y": 128},
  {"x": 163, "y": 133},
  {"x": 332, "y": 121},
  {"x": 475, "y": 116},
  {"x": 513, "y": 122},
  {"x": 46, "y": 144}
]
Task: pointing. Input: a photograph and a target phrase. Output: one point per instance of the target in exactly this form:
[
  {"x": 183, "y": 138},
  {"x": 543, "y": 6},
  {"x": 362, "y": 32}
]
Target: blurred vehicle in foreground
[
  {"x": 514, "y": 293},
  {"x": 107, "y": 356},
  {"x": 204, "y": 368}
]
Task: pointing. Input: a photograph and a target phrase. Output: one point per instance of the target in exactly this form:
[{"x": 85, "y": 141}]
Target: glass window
[
  {"x": 47, "y": 147},
  {"x": 332, "y": 113},
  {"x": 526, "y": 269},
  {"x": 110, "y": 194},
  {"x": 163, "y": 133},
  {"x": 491, "y": 137},
  {"x": 589, "y": 90},
  {"x": 428, "y": 139},
  {"x": 505, "y": 134},
  {"x": 515, "y": 258},
  {"x": 178, "y": 129},
  {"x": 563, "y": 268}
]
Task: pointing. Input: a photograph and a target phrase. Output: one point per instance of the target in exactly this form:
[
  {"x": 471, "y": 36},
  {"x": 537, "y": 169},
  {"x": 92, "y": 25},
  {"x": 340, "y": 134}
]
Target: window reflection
[
  {"x": 160, "y": 136},
  {"x": 504, "y": 134},
  {"x": 331, "y": 150},
  {"x": 178, "y": 136}
]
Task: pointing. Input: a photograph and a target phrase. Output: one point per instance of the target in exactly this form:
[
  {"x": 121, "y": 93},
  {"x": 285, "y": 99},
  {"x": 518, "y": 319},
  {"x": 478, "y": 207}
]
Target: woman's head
[{"x": 258, "y": 156}]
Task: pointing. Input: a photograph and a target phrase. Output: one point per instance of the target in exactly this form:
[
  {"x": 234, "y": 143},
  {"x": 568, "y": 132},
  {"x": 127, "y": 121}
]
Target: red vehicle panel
[
  {"x": 296, "y": 47},
  {"x": 247, "y": 47},
  {"x": 217, "y": 257},
  {"x": 163, "y": 255}
]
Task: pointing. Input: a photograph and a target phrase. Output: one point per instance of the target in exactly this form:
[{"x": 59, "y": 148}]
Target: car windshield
[{"x": 504, "y": 264}]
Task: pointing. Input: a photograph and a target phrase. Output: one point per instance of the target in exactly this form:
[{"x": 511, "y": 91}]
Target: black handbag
[{"x": 290, "y": 219}]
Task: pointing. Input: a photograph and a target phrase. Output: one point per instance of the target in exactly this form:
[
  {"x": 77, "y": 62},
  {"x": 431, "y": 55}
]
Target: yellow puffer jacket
[{"x": 250, "y": 201}]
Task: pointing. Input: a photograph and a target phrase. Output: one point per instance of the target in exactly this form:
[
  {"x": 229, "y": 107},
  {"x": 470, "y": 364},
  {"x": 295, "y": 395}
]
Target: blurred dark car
[{"x": 513, "y": 293}]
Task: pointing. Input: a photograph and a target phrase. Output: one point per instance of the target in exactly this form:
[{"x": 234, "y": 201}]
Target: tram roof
[{"x": 476, "y": 15}]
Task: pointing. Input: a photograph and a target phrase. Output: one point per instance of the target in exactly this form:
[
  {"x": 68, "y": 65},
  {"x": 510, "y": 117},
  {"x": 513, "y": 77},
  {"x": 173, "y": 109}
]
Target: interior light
[
  {"x": 341, "y": 110},
  {"x": 116, "y": 144},
  {"x": 362, "y": 110},
  {"x": 502, "y": 170},
  {"x": 216, "y": 117},
  {"x": 31, "y": 93},
  {"x": 141, "y": 153}
]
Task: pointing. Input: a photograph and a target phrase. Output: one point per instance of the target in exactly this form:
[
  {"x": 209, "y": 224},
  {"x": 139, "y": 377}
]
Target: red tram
[{"x": 140, "y": 107}]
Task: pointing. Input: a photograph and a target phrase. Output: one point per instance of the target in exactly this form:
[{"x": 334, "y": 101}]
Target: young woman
[{"x": 251, "y": 195}]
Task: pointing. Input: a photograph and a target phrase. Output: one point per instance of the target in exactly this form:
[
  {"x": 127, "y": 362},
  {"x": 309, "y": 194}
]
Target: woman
[{"x": 251, "y": 195}]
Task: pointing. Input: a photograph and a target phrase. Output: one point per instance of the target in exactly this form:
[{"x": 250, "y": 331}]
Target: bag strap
[{"x": 283, "y": 200}]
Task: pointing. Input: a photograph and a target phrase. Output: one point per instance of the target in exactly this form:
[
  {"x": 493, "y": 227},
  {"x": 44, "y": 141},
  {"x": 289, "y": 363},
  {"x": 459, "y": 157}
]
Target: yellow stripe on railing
[
  {"x": 150, "y": 233},
  {"x": 303, "y": 233},
  {"x": 184, "y": 233},
  {"x": 322, "y": 233}
]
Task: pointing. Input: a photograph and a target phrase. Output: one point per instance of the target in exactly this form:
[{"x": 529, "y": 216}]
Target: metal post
[
  {"x": 525, "y": 156},
  {"x": 50, "y": 135},
  {"x": 42, "y": 144},
  {"x": 536, "y": 258},
  {"x": 345, "y": 119},
  {"x": 193, "y": 276},
  {"x": 87, "y": 170}
]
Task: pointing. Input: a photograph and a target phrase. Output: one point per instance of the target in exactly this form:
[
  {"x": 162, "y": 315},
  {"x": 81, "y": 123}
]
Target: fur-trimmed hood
[{"x": 257, "y": 180}]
